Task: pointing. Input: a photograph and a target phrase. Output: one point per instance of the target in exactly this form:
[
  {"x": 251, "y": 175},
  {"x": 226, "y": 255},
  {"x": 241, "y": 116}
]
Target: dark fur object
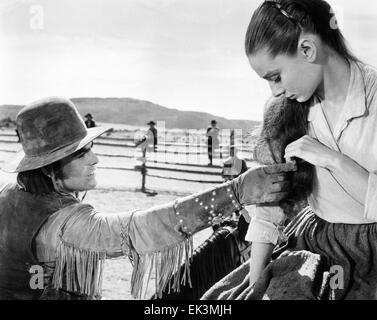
[
  {"x": 211, "y": 261},
  {"x": 285, "y": 121}
]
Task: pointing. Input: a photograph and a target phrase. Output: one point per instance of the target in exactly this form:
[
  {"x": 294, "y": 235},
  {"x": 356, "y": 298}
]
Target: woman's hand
[
  {"x": 312, "y": 151},
  {"x": 352, "y": 176}
]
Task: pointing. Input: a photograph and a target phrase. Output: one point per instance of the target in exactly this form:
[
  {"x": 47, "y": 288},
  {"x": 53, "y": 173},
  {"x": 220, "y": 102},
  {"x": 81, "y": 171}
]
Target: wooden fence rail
[
  {"x": 151, "y": 164},
  {"x": 164, "y": 143}
]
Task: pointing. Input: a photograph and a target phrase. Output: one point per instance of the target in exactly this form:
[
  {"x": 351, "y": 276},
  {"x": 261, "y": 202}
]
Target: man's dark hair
[{"x": 38, "y": 181}]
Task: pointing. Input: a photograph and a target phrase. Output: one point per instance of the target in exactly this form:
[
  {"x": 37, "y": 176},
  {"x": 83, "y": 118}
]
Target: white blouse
[{"x": 354, "y": 135}]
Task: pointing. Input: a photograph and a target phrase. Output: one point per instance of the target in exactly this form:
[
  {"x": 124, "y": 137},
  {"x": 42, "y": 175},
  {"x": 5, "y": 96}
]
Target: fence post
[
  {"x": 221, "y": 136},
  {"x": 143, "y": 171},
  {"x": 144, "y": 174},
  {"x": 165, "y": 151},
  {"x": 187, "y": 145},
  {"x": 198, "y": 148},
  {"x": 231, "y": 147}
]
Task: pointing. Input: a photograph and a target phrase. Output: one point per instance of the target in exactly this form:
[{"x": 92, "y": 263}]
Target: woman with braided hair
[{"x": 298, "y": 48}]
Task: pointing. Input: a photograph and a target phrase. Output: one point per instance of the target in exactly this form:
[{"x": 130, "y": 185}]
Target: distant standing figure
[
  {"x": 213, "y": 140},
  {"x": 90, "y": 123},
  {"x": 153, "y": 130},
  {"x": 149, "y": 141}
]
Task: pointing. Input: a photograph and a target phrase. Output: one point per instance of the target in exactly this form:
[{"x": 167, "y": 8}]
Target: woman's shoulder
[
  {"x": 369, "y": 71},
  {"x": 369, "y": 74}
]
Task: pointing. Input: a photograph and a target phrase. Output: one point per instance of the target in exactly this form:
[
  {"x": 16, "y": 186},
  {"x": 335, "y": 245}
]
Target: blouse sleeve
[
  {"x": 266, "y": 225},
  {"x": 371, "y": 198}
]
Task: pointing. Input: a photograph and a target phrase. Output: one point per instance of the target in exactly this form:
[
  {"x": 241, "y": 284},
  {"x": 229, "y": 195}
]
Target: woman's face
[
  {"x": 79, "y": 170},
  {"x": 292, "y": 76}
]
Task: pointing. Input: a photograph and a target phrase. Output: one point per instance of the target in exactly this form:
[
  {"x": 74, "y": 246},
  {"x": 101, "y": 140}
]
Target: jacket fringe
[
  {"x": 78, "y": 270},
  {"x": 166, "y": 265}
]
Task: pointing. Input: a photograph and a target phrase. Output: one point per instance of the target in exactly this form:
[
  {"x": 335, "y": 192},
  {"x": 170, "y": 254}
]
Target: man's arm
[{"x": 162, "y": 234}]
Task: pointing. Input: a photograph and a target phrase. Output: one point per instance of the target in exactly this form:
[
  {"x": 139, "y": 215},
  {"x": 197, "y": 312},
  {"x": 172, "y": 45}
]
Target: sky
[{"x": 183, "y": 54}]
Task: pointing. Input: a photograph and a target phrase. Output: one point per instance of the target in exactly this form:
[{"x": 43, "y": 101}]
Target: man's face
[{"x": 79, "y": 172}]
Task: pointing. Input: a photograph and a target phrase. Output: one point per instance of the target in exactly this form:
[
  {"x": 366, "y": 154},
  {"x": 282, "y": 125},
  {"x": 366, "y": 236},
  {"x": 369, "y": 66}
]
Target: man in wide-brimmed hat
[
  {"x": 89, "y": 122},
  {"x": 149, "y": 140},
  {"x": 45, "y": 230},
  {"x": 152, "y": 133},
  {"x": 213, "y": 140}
]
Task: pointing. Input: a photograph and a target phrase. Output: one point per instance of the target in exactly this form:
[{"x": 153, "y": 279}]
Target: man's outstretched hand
[{"x": 263, "y": 184}]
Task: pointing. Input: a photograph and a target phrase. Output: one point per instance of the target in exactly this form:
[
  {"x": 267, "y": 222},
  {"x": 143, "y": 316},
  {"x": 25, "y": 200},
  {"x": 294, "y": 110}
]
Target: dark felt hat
[
  {"x": 151, "y": 122},
  {"x": 50, "y": 129},
  {"x": 89, "y": 115}
]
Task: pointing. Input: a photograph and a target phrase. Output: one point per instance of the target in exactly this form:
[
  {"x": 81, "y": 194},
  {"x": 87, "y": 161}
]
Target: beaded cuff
[{"x": 198, "y": 211}]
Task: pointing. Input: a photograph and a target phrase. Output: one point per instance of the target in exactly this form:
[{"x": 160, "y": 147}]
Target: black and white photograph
[{"x": 188, "y": 154}]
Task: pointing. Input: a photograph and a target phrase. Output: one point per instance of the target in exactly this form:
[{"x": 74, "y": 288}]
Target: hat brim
[{"x": 22, "y": 162}]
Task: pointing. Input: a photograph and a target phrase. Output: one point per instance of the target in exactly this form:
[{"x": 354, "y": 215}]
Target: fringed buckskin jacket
[{"x": 70, "y": 241}]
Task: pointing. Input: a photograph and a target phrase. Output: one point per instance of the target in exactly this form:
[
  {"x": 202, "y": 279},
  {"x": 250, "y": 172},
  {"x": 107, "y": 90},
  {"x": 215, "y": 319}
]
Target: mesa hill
[{"x": 137, "y": 112}]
